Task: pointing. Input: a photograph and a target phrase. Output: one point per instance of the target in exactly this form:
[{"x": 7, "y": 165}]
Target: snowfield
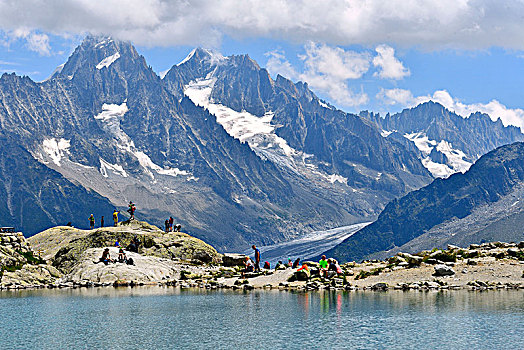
[
  {"x": 106, "y": 62},
  {"x": 56, "y": 149},
  {"x": 455, "y": 157}
]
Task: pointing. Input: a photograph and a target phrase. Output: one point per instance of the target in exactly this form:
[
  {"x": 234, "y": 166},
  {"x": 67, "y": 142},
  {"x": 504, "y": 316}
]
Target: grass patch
[
  {"x": 31, "y": 259},
  {"x": 365, "y": 274}
]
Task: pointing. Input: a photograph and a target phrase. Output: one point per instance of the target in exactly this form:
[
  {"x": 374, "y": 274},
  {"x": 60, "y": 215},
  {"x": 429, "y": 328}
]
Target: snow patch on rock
[
  {"x": 324, "y": 104},
  {"x": 104, "y": 42},
  {"x": 106, "y": 62},
  {"x": 337, "y": 178},
  {"x": 455, "y": 158},
  {"x": 385, "y": 133},
  {"x": 110, "y": 117},
  {"x": 422, "y": 142},
  {"x": 188, "y": 57},
  {"x": 116, "y": 169},
  {"x": 258, "y": 132},
  {"x": 437, "y": 169},
  {"x": 56, "y": 149}
]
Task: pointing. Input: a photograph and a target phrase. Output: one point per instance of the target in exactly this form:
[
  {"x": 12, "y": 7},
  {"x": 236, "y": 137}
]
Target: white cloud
[
  {"x": 335, "y": 62},
  {"x": 396, "y": 97},
  {"x": 432, "y": 24},
  {"x": 389, "y": 66},
  {"x": 326, "y": 69},
  {"x": 37, "y": 42},
  {"x": 278, "y": 64},
  {"x": 494, "y": 108}
]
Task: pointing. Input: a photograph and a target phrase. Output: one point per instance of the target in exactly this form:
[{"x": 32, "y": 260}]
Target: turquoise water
[{"x": 170, "y": 318}]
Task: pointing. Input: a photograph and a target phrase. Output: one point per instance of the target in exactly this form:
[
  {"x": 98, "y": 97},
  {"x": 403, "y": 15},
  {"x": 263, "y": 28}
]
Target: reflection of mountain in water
[{"x": 309, "y": 246}]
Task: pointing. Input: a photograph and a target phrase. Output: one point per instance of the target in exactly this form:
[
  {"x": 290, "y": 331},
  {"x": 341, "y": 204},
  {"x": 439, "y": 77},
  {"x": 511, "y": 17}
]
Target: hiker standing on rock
[
  {"x": 131, "y": 210},
  {"x": 115, "y": 217},
  {"x": 257, "y": 258},
  {"x": 102, "y": 221},
  {"x": 92, "y": 222}
]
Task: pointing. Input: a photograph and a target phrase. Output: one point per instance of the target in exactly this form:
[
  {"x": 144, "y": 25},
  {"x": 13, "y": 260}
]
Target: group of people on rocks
[
  {"x": 122, "y": 257},
  {"x": 328, "y": 268},
  {"x": 131, "y": 210},
  {"x": 170, "y": 227}
]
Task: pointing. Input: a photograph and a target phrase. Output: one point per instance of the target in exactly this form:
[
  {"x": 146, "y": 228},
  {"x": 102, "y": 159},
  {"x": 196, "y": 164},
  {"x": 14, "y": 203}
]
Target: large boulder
[
  {"x": 443, "y": 270},
  {"x": 64, "y": 246},
  {"x": 145, "y": 269},
  {"x": 30, "y": 276},
  {"x": 231, "y": 259},
  {"x": 380, "y": 286},
  {"x": 302, "y": 275}
]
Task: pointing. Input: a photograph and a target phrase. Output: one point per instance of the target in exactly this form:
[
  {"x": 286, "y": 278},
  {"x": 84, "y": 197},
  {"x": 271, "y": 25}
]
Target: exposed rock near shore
[
  {"x": 144, "y": 269},
  {"x": 19, "y": 266},
  {"x": 64, "y": 246},
  {"x": 66, "y": 256},
  {"x": 176, "y": 259}
]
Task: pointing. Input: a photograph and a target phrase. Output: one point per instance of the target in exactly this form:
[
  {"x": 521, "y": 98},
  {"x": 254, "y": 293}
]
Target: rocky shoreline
[{"x": 65, "y": 257}]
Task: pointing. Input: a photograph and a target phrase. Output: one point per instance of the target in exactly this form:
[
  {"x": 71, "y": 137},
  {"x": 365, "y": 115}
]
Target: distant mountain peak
[{"x": 200, "y": 55}]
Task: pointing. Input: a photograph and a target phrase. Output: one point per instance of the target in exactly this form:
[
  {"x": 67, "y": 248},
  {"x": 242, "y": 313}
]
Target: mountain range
[
  {"x": 483, "y": 204},
  {"x": 236, "y": 156}
]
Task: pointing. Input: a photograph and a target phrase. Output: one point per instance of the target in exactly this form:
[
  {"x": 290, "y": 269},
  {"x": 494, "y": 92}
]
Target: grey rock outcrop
[
  {"x": 146, "y": 269},
  {"x": 443, "y": 270},
  {"x": 65, "y": 246}
]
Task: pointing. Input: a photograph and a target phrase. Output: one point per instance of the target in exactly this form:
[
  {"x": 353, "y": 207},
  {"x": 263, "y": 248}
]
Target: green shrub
[{"x": 31, "y": 259}]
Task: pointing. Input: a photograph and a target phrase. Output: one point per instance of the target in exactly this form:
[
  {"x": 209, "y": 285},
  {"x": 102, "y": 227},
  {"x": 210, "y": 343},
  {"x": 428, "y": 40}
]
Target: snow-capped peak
[
  {"x": 188, "y": 57},
  {"x": 55, "y": 72}
]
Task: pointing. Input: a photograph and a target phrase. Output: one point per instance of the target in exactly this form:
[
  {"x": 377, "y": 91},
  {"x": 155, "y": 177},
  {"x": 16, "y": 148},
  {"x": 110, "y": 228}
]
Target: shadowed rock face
[
  {"x": 34, "y": 197},
  {"x": 494, "y": 178},
  {"x": 65, "y": 246}
]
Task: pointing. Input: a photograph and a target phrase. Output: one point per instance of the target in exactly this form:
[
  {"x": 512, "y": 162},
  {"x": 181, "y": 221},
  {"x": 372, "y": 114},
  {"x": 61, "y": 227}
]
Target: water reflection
[{"x": 153, "y": 317}]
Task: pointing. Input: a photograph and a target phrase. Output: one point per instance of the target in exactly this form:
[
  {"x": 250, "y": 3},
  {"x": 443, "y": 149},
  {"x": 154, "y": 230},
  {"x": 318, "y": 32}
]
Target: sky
[{"x": 375, "y": 55}]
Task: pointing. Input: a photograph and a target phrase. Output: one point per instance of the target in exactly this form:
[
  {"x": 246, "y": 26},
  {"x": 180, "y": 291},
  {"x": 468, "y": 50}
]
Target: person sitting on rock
[
  {"x": 333, "y": 269},
  {"x": 279, "y": 265},
  {"x": 289, "y": 262},
  {"x": 267, "y": 266},
  {"x": 296, "y": 263},
  {"x": 304, "y": 267},
  {"x": 122, "y": 258},
  {"x": 106, "y": 257},
  {"x": 248, "y": 266},
  {"x": 323, "y": 265}
]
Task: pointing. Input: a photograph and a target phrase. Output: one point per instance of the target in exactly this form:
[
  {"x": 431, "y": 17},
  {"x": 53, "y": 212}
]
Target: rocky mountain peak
[{"x": 103, "y": 56}]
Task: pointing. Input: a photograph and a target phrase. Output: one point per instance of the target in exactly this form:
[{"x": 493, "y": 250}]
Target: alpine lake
[{"x": 174, "y": 318}]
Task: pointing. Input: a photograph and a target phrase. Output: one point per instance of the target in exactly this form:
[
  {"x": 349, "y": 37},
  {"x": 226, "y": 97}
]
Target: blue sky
[{"x": 374, "y": 55}]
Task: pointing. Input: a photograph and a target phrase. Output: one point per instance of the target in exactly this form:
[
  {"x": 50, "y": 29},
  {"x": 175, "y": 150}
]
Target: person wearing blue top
[{"x": 257, "y": 258}]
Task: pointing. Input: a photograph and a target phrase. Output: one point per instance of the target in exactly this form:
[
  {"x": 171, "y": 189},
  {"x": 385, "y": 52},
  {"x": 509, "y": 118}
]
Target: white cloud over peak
[
  {"x": 470, "y": 24},
  {"x": 334, "y": 61},
  {"x": 326, "y": 69},
  {"x": 494, "y": 108},
  {"x": 389, "y": 66},
  {"x": 37, "y": 42}
]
